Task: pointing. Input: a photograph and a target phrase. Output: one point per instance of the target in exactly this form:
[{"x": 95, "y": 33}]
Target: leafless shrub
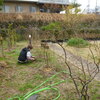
[{"x": 86, "y": 72}]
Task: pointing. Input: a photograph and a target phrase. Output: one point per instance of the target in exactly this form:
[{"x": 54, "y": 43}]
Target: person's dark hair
[{"x": 29, "y": 47}]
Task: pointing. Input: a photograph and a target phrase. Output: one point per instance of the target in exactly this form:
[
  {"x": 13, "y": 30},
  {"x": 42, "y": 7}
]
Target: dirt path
[{"x": 75, "y": 60}]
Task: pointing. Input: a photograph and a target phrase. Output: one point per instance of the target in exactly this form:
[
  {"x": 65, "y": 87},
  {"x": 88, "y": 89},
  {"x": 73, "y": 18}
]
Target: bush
[
  {"x": 90, "y": 30},
  {"x": 77, "y": 42}
]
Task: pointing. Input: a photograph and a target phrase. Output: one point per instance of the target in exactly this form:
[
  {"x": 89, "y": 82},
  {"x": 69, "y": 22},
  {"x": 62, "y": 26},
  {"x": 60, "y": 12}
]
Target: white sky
[{"x": 84, "y": 3}]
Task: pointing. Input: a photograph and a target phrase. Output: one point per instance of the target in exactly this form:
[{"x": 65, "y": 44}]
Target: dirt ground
[{"x": 74, "y": 56}]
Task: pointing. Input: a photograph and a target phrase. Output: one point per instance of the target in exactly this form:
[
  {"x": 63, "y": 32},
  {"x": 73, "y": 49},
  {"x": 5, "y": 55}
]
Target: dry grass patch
[{"x": 86, "y": 52}]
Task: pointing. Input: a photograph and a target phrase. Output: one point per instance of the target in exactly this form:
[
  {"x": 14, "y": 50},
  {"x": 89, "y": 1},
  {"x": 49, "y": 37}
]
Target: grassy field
[
  {"x": 18, "y": 79},
  {"x": 86, "y": 51}
]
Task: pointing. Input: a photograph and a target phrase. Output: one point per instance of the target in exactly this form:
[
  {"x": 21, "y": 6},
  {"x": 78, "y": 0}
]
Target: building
[
  {"x": 20, "y": 6},
  {"x": 31, "y": 6}
]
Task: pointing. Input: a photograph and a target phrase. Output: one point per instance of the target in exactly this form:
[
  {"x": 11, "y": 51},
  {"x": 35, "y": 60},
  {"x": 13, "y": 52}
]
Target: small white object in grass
[{"x": 29, "y": 36}]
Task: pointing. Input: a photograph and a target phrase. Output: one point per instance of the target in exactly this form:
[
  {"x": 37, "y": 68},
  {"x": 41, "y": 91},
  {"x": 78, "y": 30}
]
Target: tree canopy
[{"x": 1, "y": 2}]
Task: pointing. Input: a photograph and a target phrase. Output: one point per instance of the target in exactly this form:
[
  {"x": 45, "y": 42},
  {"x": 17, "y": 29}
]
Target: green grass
[
  {"x": 18, "y": 79},
  {"x": 25, "y": 87},
  {"x": 2, "y": 58},
  {"x": 77, "y": 42},
  {"x": 21, "y": 78}
]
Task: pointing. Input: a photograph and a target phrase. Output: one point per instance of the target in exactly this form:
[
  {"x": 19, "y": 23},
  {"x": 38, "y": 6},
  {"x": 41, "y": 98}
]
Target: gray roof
[
  {"x": 55, "y": 1},
  {"x": 44, "y": 1}
]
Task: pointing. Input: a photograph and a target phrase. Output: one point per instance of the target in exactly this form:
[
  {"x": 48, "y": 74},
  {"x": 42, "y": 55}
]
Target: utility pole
[
  {"x": 88, "y": 7},
  {"x": 75, "y": 1},
  {"x": 96, "y": 8}
]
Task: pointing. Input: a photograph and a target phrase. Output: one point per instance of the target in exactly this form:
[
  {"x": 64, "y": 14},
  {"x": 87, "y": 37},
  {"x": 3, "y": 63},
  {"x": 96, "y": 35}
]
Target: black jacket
[{"x": 23, "y": 54}]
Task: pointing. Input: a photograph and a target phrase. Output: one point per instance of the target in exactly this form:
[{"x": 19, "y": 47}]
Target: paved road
[{"x": 75, "y": 60}]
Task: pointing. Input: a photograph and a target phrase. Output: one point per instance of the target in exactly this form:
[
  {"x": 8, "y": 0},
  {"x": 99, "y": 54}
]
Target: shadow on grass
[{"x": 24, "y": 63}]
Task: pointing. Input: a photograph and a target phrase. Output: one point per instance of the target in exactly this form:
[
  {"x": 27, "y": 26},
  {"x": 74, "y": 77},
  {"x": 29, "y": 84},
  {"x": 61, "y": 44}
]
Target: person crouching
[{"x": 25, "y": 55}]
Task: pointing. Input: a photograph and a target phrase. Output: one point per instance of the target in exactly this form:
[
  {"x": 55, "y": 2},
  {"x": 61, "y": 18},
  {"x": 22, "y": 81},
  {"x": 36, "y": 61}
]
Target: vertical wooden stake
[{"x": 30, "y": 40}]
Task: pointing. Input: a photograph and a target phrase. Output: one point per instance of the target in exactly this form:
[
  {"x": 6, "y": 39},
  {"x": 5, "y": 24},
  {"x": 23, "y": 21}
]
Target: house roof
[
  {"x": 44, "y": 1},
  {"x": 55, "y": 1}
]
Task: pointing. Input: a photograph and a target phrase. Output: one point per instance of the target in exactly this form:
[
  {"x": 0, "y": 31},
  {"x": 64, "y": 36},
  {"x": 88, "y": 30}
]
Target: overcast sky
[{"x": 84, "y": 3}]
